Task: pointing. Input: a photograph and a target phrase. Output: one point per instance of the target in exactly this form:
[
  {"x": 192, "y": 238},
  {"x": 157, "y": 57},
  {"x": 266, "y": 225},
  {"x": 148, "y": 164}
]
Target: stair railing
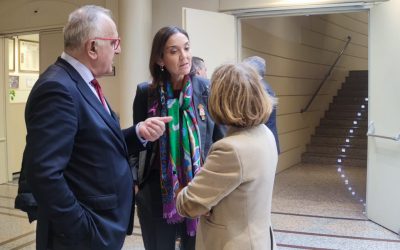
[{"x": 326, "y": 76}]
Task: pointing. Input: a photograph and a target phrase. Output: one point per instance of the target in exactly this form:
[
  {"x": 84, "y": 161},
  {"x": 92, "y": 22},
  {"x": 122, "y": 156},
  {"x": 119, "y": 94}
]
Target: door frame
[
  {"x": 296, "y": 11},
  {"x": 3, "y": 122},
  {"x": 8, "y": 115}
]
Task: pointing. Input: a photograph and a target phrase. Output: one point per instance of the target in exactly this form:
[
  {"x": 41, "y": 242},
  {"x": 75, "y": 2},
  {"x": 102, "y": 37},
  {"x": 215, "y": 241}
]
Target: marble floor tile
[{"x": 312, "y": 206}]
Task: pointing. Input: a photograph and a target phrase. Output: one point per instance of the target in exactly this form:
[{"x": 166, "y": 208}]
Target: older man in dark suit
[{"x": 76, "y": 156}]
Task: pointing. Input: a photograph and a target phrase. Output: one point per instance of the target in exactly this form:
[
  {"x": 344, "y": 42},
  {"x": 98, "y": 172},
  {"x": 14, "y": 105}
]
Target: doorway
[
  {"x": 23, "y": 71},
  {"x": 299, "y": 51},
  {"x": 297, "y": 59}
]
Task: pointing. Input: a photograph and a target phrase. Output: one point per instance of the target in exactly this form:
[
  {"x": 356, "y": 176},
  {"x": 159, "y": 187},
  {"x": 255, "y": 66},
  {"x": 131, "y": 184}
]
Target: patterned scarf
[{"x": 179, "y": 150}]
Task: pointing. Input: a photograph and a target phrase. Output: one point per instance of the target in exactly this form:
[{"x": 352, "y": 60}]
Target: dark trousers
[{"x": 157, "y": 234}]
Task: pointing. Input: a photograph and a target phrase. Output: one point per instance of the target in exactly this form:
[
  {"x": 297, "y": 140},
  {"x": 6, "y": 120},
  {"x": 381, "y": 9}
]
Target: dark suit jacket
[
  {"x": 209, "y": 131},
  {"x": 76, "y": 164},
  {"x": 271, "y": 123}
]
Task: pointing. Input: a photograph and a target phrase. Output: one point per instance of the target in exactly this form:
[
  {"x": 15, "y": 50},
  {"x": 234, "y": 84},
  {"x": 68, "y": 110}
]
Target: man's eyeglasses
[{"x": 115, "y": 42}]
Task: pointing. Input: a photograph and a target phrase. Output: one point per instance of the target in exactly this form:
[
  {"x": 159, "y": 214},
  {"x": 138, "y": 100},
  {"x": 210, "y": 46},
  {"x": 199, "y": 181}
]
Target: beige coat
[{"x": 235, "y": 186}]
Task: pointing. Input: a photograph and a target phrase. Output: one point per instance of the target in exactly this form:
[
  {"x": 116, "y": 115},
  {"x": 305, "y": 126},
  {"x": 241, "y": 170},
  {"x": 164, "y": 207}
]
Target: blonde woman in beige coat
[{"x": 233, "y": 191}]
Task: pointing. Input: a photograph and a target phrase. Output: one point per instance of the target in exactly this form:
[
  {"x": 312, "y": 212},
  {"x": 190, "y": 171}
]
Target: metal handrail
[
  {"x": 326, "y": 76},
  {"x": 394, "y": 138},
  {"x": 371, "y": 133}
]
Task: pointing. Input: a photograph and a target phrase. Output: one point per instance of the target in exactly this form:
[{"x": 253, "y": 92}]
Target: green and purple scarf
[{"x": 179, "y": 149}]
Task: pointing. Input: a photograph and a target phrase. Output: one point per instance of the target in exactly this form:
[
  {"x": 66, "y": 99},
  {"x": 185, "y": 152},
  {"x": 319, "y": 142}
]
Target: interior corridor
[{"x": 313, "y": 208}]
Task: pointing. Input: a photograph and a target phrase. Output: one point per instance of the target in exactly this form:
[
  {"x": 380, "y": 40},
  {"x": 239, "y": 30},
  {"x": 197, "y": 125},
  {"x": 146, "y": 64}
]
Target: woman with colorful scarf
[{"x": 170, "y": 163}]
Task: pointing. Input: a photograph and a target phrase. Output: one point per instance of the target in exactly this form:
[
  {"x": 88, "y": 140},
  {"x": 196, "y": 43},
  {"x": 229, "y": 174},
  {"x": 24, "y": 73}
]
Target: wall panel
[
  {"x": 289, "y": 158},
  {"x": 346, "y": 23},
  {"x": 332, "y": 45}
]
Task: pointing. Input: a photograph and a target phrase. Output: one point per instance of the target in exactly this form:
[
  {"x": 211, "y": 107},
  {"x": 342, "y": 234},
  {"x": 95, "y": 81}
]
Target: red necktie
[{"x": 96, "y": 85}]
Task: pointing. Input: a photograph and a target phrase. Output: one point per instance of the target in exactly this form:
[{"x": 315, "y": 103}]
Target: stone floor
[{"x": 313, "y": 208}]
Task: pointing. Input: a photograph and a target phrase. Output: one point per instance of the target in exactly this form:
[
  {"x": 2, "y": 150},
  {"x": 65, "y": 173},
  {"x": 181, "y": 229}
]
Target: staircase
[{"x": 341, "y": 135}]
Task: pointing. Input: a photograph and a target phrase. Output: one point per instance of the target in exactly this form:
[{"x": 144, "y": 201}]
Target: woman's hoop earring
[{"x": 162, "y": 68}]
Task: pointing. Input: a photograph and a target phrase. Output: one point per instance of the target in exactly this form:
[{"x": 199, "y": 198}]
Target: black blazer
[
  {"x": 209, "y": 131},
  {"x": 76, "y": 164},
  {"x": 271, "y": 123}
]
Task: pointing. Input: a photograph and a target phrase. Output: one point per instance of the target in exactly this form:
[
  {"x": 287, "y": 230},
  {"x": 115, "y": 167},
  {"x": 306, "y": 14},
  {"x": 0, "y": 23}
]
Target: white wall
[
  {"x": 169, "y": 12},
  {"x": 17, "y": 15}
]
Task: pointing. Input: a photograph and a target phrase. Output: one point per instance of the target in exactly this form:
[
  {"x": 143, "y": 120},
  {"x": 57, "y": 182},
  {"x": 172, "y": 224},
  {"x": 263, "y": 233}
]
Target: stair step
[
  {"x": 358, "y": 73},
  {"x": 324, "y": 159},
  {"x": 334, "y": 114},
  {"x": 344, "y": 122},
  {"x": 346, "y": 128},
  {"x": 348, "y": 151},
  {"x": 355, "y": 86},
  {"x": 339, "y": 145},
  {"x": 336, "y": 156},
  {"x": 356, "y": 80},
  {"x": 341, "y": 131},
  {"x": 339, "y": 140},
  {"x": 347, "y": 107},
  {"x": 353, "y": 93},
  {"x": 350, "y": 100}
]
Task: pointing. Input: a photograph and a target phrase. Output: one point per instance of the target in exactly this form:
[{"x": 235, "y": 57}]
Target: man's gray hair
[
  {"x": 198, "y": 63},
  {"x": 83, "y": 24},
  {"x": 258, "y": 63}
]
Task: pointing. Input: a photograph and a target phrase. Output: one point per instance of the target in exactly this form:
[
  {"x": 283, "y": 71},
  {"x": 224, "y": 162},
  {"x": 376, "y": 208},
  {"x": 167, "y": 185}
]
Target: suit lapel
[
  {"x": 92, "y": 100},
  {"x": 200, "y": 96},
  {"x": 96, "y": 104}
]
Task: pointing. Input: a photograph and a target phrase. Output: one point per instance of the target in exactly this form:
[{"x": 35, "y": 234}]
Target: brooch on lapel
[{"x": 202, "y": 112}]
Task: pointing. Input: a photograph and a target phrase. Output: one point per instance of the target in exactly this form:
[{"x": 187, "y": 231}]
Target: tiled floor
[{"x": 313, "y": 208}]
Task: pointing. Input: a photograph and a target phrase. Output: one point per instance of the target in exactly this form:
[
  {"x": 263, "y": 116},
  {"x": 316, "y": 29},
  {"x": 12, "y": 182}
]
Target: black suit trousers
[{"x": 156, "y": 232}]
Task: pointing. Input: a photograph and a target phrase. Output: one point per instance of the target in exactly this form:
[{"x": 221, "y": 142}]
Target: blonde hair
[{"x": 237, "y": 96}]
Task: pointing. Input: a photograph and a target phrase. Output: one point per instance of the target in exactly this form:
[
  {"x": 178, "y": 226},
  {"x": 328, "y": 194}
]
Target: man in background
[
  {"x": 199, "y": 66},
  {"x": 259, "y": 65}
]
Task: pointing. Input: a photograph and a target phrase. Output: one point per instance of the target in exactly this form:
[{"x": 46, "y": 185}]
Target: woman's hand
[{"x": 176, "y": 192}]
